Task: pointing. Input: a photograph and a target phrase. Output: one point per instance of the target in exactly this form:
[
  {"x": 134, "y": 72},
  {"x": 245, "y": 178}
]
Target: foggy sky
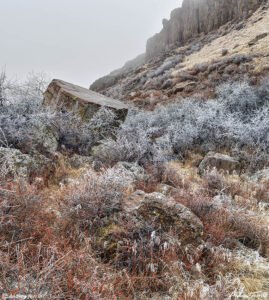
[{"x": 76, "y": 40}]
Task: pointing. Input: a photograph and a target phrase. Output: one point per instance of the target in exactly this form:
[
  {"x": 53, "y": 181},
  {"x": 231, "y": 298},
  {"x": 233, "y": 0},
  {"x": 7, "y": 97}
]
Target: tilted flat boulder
[{"x": 61, "y": 95}]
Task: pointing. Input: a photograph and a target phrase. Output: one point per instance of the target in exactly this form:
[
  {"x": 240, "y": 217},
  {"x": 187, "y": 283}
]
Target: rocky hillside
[
  {"x": 196, "y": 17},
  {"x": 234, "y": 46},
  {"x": 100, "y": 200}
]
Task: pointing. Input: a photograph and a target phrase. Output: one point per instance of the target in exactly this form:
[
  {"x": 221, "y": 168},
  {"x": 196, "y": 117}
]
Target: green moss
[{"x": 105, "y": 230}]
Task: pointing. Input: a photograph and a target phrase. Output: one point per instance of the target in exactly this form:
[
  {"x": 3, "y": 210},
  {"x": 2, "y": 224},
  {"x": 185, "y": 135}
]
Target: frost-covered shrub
[
  {"x": 95, "y": 196},
  {"x": 237, "y": 117},
  {"x": 168, "y": 64},
  {"x": 22, "y": 118},
  {"x": 79, "y": 135}
]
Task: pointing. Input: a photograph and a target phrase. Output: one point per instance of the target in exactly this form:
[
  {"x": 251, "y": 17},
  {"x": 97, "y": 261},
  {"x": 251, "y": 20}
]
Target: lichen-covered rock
[
  {"x": 13, "y": 163},
  {"x": 159, "y": 209},
  {"x": 220, "y": 162},
  {"x": 43, "y": 139},
  {"x": 133, "y": 170},
  {"x": 166, "y": 189},
  {"x": 77, "y": 161},
  {"x": 262, "y": 175},
  {"x": 100, "y": 151},
  {"x": 62, "y": 95}
]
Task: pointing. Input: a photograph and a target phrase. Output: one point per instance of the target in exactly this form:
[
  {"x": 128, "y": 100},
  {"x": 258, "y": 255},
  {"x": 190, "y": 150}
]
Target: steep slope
[
  {"x": 233, "y": 51},
  {"x": 198, "y": 16}
]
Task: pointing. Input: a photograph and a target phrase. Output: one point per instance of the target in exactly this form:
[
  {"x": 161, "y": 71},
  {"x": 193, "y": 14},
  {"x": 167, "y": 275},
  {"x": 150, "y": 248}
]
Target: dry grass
[
  {"x": 71, "y": 250},
  {"x": 237, "y": 42}
]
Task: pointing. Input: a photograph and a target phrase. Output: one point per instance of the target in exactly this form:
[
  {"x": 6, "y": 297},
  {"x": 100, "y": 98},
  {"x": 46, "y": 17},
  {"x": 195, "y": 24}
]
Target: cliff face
[
  {"x": 196, "y": 62},
  {"x": 196, "y": 17}
]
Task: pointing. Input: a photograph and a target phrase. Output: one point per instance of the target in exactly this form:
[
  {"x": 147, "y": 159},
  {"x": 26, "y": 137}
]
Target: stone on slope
[
  {"x": 261, "y": 175},
  {"x": 65, "y": 96},
  {"x": 159, "y": 209},
  {"x": 13, "y": 163},
  {"x": 43, "y": 139},
  {"x": 220, "y": 162}
]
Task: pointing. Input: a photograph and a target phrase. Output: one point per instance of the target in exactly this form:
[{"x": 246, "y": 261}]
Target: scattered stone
[
  {"x": 224, "y": 52},
  {"x": 166, "y": 190},
  {"x": 180, "y": 87},
  {"x": 77, "y": 161},
  {"x": 222, "y": 200},
  {"x": 257, "y": 38},
  {"x": 100, "y": 151},
  {"x": 13, "y": 163},
  {"x": 220, "y": 162},
  {"x": 262, "y": 175},
  {"x": 41, "y": 139},
  {"x": 135, "y": 171},
  {"x": 230, "y": 69},
  {"x": 159, "y": 209}
]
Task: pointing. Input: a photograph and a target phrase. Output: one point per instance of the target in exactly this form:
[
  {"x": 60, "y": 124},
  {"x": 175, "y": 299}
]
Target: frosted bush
[
  {"x": 168, "y": 64},
  {"x": 237, "y": 117},
  {"x": 21, "y": 113}
]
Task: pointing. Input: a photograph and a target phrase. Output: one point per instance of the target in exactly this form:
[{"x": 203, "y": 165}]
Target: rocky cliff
[
  {"x": 196, "y": 17},
  {"x": 194, "y": 53}
]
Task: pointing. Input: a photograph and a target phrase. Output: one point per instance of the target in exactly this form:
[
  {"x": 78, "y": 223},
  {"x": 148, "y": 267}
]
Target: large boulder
[
  {"x": 158, "y": 209},
  {"x": 65, "y": 96},
  {"x": 220, "y": 162}
]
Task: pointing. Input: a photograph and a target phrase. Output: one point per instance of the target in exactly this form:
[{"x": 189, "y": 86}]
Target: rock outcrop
[
  {"x": 198, "y": 63},
  {"x": 62, "y": 95},
  {"x": 196, "y": 17},
  {"x": 116, "y": 75}
]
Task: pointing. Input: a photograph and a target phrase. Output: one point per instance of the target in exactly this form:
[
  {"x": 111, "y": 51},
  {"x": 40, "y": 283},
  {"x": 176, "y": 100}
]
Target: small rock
[
  {"x": 180, "y": 87},
  {"x": 222, "y": 200},
  {"x": 220, "y": 162},
  {"x": 77, "y": 161},
  {"x": 224, "y": 52},
  {"x": 261, "y": 175},
  {"x": 166, "y": 189},
  {"x": 101, "y": 151},
  {"x": 257, "y": 38},
  {"x": 134, "y": 170}
]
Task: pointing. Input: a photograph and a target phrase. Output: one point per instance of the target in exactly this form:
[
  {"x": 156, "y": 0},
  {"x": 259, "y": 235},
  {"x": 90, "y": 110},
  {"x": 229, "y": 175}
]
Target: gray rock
[
  {"x": 221, "y": 200},
  {"x": 43, "y": 139},
  {"x": 159, "y": 209},
  {"x": 134, "y": 170},
  {"x": 13, "y": 163},
  {"x": 261, "y": 175},
  {"x": 62, "y": 95},
  {"x": 166, "y": 189},
  {"x": 220, "y": 162},
  {"x": 77, "y": 161},
  {"x": 100, "y": 151},
  {"x": 196, "y": 17}
]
